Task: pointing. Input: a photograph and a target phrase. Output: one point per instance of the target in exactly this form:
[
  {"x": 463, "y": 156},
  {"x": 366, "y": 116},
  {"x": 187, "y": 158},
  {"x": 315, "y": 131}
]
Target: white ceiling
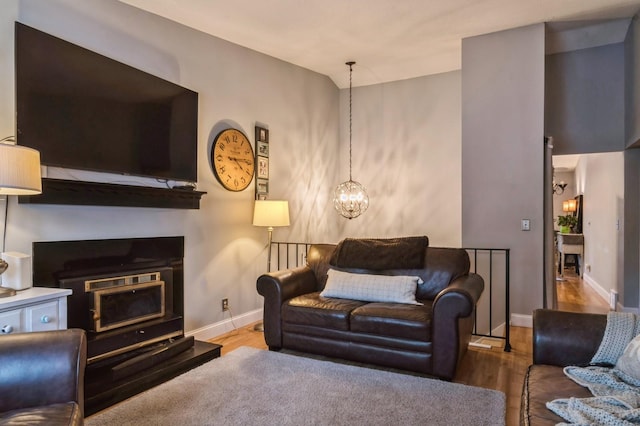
[{"x": 389, "y": 39}]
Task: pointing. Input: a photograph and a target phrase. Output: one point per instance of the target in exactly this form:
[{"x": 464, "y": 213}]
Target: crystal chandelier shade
[{"x": 350, "y": 198}]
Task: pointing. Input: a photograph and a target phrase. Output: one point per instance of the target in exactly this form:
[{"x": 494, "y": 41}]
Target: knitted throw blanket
[
  {"x": 621, "y": 328},
  {"x": 616, "y": 399}
]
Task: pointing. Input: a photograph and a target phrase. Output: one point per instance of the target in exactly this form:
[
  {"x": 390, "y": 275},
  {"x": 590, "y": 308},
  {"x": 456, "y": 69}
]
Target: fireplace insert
[{"x": 127, "y": 293}]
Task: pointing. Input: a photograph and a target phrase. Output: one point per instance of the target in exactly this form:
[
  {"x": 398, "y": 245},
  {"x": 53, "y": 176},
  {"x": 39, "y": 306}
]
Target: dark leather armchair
[{"x": 42, "y": 378}]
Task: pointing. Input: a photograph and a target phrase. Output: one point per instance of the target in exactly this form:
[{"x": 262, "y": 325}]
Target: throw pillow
[
  {"x": 371, "y": 288},
  {"x": 629, "y": 362}
]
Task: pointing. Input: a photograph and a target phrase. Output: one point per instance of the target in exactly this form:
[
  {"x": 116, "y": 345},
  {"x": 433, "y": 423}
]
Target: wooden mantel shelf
[{"x": 72, "y": 192}]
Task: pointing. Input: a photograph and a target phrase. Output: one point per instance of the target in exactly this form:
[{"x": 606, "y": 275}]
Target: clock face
[{"x": 232, "y": 160}]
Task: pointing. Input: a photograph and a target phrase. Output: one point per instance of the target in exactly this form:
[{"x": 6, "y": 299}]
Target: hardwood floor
[{"x": 488, "y": 368}]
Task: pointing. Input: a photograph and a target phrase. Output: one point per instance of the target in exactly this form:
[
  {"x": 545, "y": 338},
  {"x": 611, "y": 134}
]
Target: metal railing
[{"x": 492, "y": 310}]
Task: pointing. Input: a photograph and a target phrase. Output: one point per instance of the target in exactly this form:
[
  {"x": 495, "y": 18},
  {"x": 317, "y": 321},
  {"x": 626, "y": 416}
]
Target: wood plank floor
[{"x": 488, "y": 368}]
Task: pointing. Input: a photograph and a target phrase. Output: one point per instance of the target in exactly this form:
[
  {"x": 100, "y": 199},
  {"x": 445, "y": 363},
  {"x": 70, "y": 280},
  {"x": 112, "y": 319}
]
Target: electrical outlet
[{"x": 225, "y": 305}]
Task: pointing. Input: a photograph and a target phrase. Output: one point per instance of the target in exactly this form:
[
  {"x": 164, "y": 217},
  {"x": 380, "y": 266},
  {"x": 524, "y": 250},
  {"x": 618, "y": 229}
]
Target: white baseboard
[
  {"x": 519, "y": 320},
  {"x": 216, "y": 329},
  {"x": 597, "y": 287}
]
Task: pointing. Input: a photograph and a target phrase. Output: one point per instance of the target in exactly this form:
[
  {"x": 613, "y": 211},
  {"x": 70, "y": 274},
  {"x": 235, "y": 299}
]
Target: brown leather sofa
[
  {"x": 560, "y": 339},
  {"x": 430, "y": 339},
  {"x": 42, "y": 378}
]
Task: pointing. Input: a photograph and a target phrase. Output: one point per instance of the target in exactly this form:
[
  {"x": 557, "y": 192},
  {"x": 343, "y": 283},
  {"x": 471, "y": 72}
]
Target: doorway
[{"x": 599, "y": 179}]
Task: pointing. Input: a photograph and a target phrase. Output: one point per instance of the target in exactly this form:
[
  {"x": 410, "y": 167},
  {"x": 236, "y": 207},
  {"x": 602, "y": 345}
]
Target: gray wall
[
  {"x": 584, "y": 100},
  {"x": 502, "y": 152},
  {"x": 632, "y": 85}
]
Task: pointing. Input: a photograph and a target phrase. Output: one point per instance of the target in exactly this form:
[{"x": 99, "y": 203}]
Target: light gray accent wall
[
  {"x": 585, "y": 100},
  {"x": 503, "y": 151},
  {"x": 407, "y": 154}
]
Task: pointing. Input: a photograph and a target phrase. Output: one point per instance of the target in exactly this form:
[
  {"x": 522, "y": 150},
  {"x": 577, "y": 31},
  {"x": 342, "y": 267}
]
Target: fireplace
[{"x": 128, "y": 295}]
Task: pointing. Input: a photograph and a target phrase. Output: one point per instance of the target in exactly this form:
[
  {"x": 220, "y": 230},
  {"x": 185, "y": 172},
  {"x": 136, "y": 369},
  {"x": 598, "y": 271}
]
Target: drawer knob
[
  {"x": 7, "y": 329},
  {"x": 44, "y": 319}
]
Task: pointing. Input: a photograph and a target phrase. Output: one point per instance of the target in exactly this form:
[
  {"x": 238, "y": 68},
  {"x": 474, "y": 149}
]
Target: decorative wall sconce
[{"x": 558, "y": 188}]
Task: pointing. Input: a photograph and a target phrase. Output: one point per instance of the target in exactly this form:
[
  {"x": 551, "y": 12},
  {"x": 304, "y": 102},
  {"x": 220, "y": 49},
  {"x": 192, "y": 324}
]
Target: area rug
[{"x": 256, "y": 387}]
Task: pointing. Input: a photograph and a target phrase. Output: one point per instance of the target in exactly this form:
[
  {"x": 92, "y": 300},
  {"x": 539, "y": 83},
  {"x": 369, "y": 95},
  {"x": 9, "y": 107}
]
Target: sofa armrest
[
  {"x": 42, "y": 368},
  {"x": 566, "y": 338},
  {"x": 453, "y": 322},
  {"x": 277, "y": 287}
]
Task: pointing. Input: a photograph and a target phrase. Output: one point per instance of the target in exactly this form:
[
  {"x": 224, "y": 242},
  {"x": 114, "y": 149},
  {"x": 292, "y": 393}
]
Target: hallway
[{"x": 575, "y": 295}]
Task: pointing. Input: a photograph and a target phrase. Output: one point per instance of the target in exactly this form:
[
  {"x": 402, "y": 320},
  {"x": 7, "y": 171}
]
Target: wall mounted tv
[{"x": 85, "y": 111}]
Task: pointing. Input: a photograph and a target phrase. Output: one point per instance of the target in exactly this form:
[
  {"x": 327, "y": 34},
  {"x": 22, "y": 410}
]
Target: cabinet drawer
[
  {"x": 42, "y": 317},
  {"x": 11, "y": 322}
]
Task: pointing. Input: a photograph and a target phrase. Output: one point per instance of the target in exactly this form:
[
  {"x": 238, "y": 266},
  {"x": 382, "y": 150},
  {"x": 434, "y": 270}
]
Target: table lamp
[{"x": 19, "y": 175}]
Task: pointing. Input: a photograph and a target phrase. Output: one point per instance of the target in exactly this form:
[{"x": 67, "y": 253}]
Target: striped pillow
[{"x": 371, "y": 288}]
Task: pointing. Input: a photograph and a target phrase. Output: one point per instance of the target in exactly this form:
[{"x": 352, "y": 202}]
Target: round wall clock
[{"x": 232, "y": 160}]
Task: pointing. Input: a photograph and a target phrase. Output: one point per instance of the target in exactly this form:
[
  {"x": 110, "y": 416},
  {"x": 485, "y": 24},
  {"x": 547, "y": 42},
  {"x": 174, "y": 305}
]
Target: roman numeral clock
[{"x": 232, "y": 160}]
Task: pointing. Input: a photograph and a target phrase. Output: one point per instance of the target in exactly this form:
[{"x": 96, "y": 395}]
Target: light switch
[{"x": 525, "y": 225}]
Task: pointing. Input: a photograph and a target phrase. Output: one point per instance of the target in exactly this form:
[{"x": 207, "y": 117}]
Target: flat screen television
[{"x": 85, "y": 111}]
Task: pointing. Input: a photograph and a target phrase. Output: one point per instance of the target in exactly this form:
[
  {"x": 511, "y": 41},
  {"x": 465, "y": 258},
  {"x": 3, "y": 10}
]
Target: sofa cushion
[
  {"x": 380, "y": 253},
  {"x": 393, "y": 320},
  {"x": 315, "y": 310},
  {"x": 544, "y": 383},
  {"x": 371, "y": 288}
]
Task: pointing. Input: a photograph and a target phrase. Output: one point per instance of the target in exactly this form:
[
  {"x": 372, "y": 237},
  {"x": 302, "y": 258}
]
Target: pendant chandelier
[{"x": 350, "y": 198}]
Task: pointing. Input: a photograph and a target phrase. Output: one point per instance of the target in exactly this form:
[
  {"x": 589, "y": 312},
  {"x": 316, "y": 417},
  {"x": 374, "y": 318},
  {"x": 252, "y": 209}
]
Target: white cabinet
[{"x": 34, "y": 309}]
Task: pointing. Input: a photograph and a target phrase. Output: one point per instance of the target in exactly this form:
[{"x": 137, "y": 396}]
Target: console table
[
  {"x": 34, "y": 309},
  {"x": 570, "y": 244}
]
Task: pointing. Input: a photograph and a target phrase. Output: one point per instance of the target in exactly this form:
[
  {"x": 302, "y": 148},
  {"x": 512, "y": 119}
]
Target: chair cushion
[
  {"x": 315, "y": 310},
  {"x": 544, "y": 383},
  {"x": 394, "y": 320},
  {"x": 67, "y": 413}
]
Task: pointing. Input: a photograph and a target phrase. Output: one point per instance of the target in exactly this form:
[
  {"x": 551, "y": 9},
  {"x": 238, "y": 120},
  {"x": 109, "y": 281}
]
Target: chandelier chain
[{"x": 350, "y": 117}]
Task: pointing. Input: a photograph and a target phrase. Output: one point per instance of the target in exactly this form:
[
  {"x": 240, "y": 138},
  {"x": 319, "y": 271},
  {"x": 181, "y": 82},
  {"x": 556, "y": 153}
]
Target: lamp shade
[
  {"x": 19, "y": 170},
  {"x": 271, "y": 213}
]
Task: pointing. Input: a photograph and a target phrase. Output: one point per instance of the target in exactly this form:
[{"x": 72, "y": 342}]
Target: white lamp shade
[
  {"x": 19, "y": 170},
  {"x": 271, "y": 213}
]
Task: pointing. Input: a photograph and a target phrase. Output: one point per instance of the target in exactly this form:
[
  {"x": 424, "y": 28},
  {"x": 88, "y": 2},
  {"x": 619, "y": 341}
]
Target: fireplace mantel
[{"x": 73, "y": 192}]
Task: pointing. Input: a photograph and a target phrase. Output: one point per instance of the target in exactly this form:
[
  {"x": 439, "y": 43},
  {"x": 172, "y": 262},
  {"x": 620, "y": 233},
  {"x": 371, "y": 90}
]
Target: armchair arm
[
  {"x": 42, "y": 368},
  {"x": 566, "y": 338},
  {"x": 276, "y": 287},
  {"x": 452, "y": 322}
]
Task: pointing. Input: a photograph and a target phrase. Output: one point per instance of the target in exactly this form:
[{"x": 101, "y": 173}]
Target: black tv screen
[{"x": 85, "y": 111}]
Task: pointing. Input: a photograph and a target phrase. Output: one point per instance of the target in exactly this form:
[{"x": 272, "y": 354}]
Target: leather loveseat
[
  {"x": 430, "y": 338},
  {"x": 560, "y": 339},
  {"x": 42, "y": 378}
]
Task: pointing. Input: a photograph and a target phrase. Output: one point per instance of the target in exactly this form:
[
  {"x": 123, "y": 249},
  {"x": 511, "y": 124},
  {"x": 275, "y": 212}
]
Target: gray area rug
[{"x": 257, "y": 387}]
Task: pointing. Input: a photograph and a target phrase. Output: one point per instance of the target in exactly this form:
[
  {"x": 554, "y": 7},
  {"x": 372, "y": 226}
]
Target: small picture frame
[
  {"x": 262, "y": 188},
  {"x": 262, "y": 149},
  {"x": 262, "y": 162},
  {"x": 262, "y": 134},
  {"x": 262, "y": 167}
]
